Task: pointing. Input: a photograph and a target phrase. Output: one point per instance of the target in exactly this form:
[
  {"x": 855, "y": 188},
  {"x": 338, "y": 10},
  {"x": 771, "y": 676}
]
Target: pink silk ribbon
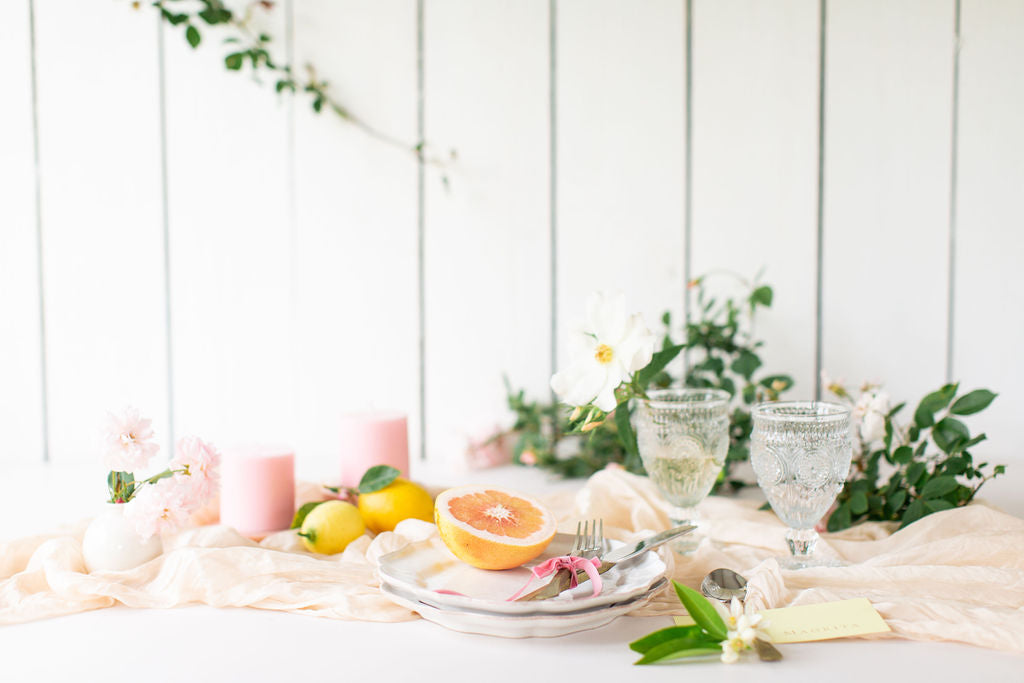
[{"x": 569, "y": 563}]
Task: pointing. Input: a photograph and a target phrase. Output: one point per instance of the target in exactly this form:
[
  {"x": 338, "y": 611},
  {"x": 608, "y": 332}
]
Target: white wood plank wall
[{"x": 240, "y": 267}]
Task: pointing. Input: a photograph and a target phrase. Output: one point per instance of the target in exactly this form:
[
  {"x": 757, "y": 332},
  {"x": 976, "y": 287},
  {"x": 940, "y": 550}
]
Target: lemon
[
  {"x": 331, "y": 526},
  {"x": 401, "y": 499}
]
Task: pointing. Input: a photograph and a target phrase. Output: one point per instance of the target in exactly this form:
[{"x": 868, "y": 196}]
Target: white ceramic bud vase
[{"x": 111, "y": 542}]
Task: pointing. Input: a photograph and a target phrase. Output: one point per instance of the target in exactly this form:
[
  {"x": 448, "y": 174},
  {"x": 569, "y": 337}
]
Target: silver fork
[{"x": 588, "y": 543}]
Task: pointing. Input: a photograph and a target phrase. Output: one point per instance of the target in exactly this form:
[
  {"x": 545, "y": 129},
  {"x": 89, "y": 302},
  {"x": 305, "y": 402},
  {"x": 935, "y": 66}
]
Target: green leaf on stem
[
  {"x": 973, "y": 402},
  {"x": 702, "y": 611},
  {"x": 948, "y": 433},
  {"x": 192, "y": 35},
  {"x": 300, "y": 514},
  {"x": 762, "y": 295},
  {"x": 662, "y": 636},
  {"x": 677, "y": 649},
  {"x": 659, "y": 361},
  {"x": 377, "y": 477},
  {"x": 234, "y": 61},
  {"x": 938, "y": 487},
  {"x": 915, "y": 512},
  {"x": 914, "y": 473},
  {"x": 746, "y": 364},
  {"x": 627, "y": 437},
  {"x": 903, "y": 455}
]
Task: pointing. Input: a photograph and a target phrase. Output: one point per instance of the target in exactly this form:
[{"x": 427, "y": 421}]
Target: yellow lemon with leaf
[
  {"x": 383, "y": 508},
  {"x": 330, "y": 526}
]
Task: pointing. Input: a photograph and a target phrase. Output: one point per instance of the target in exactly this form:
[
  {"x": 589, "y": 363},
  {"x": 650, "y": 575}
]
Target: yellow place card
[{"x": 823, "y": 621}]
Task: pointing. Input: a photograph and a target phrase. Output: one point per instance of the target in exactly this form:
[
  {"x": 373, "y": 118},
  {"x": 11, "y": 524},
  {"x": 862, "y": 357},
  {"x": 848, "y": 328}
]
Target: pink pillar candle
[
  {"x": 257, "y": 489},
  {"x": 370, "y": 439}
]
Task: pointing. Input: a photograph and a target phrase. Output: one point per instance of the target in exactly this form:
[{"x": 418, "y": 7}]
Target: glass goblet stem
[
  {"x": 685, "y": 515},
  {"x": 801, "y": 542}
]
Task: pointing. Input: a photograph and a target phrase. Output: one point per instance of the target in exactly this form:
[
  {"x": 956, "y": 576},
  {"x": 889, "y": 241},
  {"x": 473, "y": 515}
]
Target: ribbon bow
[{"x": 572, "y": 565}]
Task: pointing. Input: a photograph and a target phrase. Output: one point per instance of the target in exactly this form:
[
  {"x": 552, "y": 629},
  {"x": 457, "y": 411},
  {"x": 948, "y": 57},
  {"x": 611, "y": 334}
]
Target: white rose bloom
[
  {"x": 881, "y": 403},
  {"x": 862, "y": 406},
  {"x": 872, "y": 428},
  {"x": 609, "y": 347}
]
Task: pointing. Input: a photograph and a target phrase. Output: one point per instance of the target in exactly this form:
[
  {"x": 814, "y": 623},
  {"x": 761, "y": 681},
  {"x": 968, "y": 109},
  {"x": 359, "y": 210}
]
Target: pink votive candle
[
  {"x": 369, "y": 439},
  {"x": 257, "y": 489}
]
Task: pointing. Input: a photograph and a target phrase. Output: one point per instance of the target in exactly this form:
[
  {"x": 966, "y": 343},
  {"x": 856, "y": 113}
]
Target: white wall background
[{"x": 177, "y": 237}]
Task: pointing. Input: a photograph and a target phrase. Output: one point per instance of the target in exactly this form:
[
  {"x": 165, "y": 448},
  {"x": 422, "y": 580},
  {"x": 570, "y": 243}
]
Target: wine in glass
[{"x": 683, "y": 438}]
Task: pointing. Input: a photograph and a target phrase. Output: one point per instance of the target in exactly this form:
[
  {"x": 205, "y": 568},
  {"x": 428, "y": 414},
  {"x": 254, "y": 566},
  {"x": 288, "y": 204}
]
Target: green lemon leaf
[
  {"x": 302, "y": 512},
  {"x": 233, "y": 61},
  {"x": 702, "y": 611},
  {"x": 664, "y": 635},
  {"x": 677, "y": 649},
  {"x": 377, "y": 477},
  {"x": 974, "y": 402}
]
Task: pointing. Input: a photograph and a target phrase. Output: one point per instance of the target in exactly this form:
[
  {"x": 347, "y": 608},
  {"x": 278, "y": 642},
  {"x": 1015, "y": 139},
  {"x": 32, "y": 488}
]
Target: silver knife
[{"x": 563, "y": 578}]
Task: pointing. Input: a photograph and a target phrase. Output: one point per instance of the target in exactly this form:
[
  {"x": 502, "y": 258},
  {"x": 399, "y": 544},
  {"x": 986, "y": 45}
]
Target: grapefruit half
[{"x": 492, "y": 528}]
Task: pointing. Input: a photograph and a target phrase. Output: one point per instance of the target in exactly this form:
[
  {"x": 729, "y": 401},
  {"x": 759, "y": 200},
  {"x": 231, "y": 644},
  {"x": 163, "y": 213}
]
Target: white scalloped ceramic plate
[
  {"x": 521, "y": 626},
  {"x": 422, "y": 570}
]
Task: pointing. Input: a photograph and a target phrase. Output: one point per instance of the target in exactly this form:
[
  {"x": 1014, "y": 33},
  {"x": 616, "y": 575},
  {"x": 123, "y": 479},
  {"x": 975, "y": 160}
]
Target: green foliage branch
[
  {"x": 919, "y": 468},
  {"x": 249, "y": 49}
]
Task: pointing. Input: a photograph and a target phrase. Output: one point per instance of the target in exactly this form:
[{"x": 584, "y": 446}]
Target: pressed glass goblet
[
  {"x": 801, "y": 452},
  {"x": 683, "y": 437}
]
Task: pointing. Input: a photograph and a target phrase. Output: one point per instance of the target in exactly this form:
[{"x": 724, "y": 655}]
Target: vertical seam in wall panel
[
  {"x": 818, "y": 341},
  {"x": 44, "y": 396},
  {"x": 293, "y": 229},
  {"x": 954, "y": 161},
  {"x": 687, "y": 172},
  {"x": 553, "y": 171},
  {"x": 165, "y": 217},
  {"x": 421, "y": 229}
]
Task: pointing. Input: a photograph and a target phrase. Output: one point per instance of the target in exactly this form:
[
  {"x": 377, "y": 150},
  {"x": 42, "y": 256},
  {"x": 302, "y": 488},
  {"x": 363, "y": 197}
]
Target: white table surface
[{"x": 207, "y": 644}]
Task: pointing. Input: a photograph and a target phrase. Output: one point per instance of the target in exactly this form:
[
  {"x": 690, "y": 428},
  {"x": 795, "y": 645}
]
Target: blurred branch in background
[{"x": 251, "y": 47}]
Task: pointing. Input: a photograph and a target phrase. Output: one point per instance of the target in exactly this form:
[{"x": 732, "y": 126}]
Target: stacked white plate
[{"x": 426, "y": 578}]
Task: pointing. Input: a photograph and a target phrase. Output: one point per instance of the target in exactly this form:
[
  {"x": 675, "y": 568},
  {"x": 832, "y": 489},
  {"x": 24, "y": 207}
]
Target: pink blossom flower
[
  {"x": 128, "y": 442},
  {"x": 201, "y": 463},
  {"x": 528, "y": 457},
  {"x": 158, "y": 508}
]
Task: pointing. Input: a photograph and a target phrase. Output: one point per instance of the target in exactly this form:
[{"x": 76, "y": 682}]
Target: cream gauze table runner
[{"x": 956, "y": 575}]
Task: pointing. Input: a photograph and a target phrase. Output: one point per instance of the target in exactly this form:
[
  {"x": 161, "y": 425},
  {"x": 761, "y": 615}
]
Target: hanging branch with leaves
[{"x": 251, "y": 49}]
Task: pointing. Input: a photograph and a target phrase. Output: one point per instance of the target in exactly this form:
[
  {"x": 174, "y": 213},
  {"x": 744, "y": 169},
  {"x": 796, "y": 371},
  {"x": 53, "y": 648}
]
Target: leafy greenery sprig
[
  {"x": 704, "y": 638},
  {"x": 248, "y": 48},
  {"x": 726, "y": 356},
  {"x": 902, "y": 479}
]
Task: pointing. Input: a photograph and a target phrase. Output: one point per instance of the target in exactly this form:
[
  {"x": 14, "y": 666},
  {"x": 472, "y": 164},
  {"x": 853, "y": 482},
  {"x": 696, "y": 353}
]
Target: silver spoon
[{"x": 724, "y": 585}]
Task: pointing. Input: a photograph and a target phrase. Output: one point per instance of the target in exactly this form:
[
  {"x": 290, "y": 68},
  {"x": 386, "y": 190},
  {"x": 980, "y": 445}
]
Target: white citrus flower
[
  {"x": 609, "y": 347},
  {"x": 731, "y": 649},
  {"x": 743, "y": 628}
]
